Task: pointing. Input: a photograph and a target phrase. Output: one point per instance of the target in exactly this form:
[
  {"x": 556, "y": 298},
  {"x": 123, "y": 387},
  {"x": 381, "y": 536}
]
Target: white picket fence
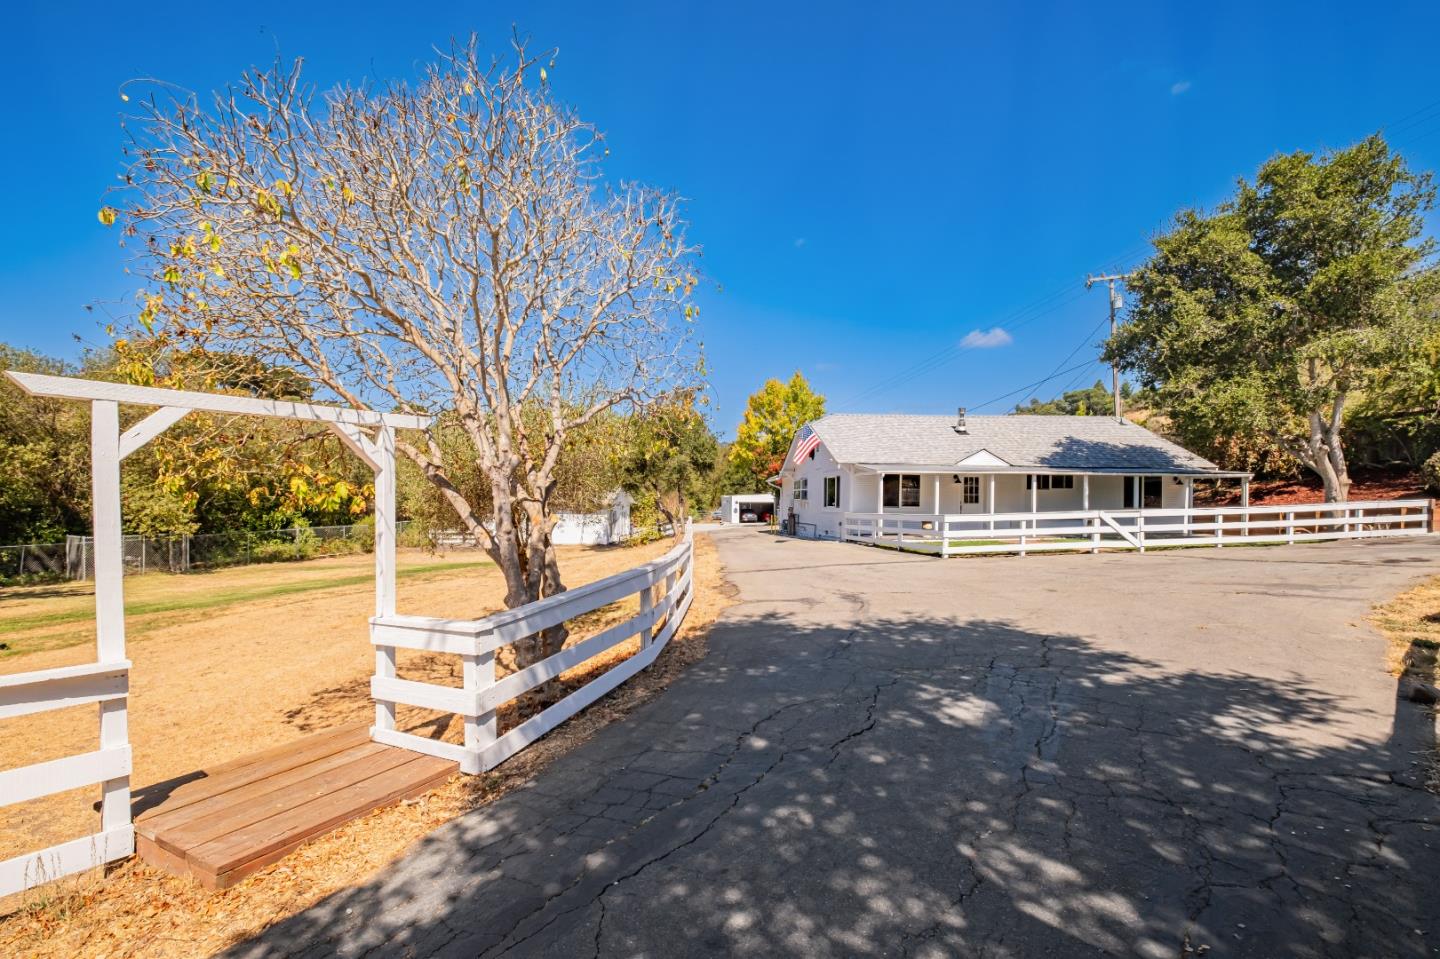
[
  {"x": 665, "y": 587},
  {"x": 1094, "y": 530}
]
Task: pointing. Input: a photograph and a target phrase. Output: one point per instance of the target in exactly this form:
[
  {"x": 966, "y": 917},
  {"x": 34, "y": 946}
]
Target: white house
[{"x": 853, "y": 469}]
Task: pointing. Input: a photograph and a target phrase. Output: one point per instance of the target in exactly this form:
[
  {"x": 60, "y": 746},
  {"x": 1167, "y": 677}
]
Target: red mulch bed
[{"x": 1365, "y": 484}]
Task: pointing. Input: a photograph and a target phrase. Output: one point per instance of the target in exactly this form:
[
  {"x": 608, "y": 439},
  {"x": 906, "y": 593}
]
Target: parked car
[
  {"x": 715, "y": 514},
  {"x": 748, "y": 516}
]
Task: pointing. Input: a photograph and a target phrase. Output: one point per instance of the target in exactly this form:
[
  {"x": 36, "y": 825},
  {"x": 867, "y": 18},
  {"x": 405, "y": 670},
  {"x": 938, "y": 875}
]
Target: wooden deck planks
[{"x": 249, "y": 813}]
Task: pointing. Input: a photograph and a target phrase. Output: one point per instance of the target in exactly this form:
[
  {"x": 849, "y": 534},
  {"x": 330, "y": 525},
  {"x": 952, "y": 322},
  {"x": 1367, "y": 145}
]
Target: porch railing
[{"x": 1093, "y": 530}]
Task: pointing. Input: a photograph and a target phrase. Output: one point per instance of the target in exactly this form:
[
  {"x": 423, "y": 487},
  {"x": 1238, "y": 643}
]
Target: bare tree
[{"x": 447, "y": 246}]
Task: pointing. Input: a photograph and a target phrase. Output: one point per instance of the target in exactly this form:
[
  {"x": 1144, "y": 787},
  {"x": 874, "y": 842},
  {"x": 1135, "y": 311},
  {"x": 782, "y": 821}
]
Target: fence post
[
  {"x": 647, "y": 603},
  {"x": 1290, "y": 527},
  {"x": 1024, "y": 525},
  {"x": 480, "y": 731},
  {"x": 1219, "y": 530},
  {"x": 1140, "y": 530}
]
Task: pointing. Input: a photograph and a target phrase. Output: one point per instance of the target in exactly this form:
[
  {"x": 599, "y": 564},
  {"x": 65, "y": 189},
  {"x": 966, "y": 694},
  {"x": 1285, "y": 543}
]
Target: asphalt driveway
[{"x": 1183, "y": 753}]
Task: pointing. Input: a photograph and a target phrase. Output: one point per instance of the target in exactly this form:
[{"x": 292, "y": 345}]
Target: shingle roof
[{"x": 1079, "y": 443}]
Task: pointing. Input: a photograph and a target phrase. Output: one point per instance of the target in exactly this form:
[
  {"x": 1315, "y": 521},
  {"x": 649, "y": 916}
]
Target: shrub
[
  {"x": 362, "y": 534},
  {"x": 1431, "y": 473}
]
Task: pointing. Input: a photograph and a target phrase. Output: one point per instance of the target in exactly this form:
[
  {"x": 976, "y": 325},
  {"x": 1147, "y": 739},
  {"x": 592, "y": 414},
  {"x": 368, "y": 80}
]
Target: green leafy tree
[
  {"x": 44, "y": 457},
  {"x": 772, "y": 416},
  {"x": 1096, "y": 400},
  {"x": 670, "y": 455},
  {"x": 1265, "y": 318}
]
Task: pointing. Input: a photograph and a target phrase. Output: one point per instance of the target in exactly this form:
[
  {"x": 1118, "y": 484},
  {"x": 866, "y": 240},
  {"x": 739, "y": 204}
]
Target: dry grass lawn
[
  {"x": 232, "y": 662},
  {"x": 1412, "y": 623}
]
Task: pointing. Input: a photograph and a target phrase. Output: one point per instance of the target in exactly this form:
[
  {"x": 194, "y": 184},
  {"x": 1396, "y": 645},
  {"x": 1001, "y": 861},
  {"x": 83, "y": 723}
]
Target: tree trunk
[{"x": 1324, "y": 451}]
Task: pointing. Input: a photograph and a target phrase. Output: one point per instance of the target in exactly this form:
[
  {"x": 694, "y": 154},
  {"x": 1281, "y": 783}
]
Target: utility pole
[{"x": 1115, "y": 303}]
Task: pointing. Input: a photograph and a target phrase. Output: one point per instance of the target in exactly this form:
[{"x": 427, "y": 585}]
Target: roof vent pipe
[{"x": 960, "y": 420}]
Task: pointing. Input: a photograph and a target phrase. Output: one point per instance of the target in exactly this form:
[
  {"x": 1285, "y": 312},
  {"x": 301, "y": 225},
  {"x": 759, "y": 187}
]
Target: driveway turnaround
[{"x": 1183, "y": 753}]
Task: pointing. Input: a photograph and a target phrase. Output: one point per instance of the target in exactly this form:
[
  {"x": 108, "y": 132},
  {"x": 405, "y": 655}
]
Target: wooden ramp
[{"x": 244, "y": 815}]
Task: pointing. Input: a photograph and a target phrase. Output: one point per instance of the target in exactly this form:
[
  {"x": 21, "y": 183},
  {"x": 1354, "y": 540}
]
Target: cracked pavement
[{"x": 1185, "y": 753}]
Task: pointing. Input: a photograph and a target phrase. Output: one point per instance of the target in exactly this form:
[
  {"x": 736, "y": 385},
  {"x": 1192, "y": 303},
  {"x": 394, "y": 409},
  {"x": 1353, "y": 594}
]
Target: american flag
[{"x": 805, "y": 442}]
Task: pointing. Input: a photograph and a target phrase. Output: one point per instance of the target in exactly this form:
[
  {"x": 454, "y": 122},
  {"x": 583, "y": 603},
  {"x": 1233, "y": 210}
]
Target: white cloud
[
  {"x": 1178, "y": 88},
  {"x": 986, "y": 339},
  {"x": 799, "y": 242}
]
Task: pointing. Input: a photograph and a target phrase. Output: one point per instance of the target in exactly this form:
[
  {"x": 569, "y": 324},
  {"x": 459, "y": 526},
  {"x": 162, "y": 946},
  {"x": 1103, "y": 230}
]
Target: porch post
[
  {"x": 939, "y": 516},
  {"x": 1034, "y": 508},
  {"x": 1089, "y": 520},
  {"x": 992, "y": 502},
  {"x": 1189, "y": 501},
  {"x": 1245, "y": 501},
  {"x": 1138, "y": 495},
  {"x": 879, "y": 525}
]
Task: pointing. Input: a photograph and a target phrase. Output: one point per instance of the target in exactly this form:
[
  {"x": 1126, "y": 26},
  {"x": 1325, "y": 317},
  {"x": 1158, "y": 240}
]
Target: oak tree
[{"x": 1266, "y": 317}]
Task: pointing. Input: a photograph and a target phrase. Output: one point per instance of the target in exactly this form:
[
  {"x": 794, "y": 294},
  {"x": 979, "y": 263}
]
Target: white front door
[{"x": 972, "y": 495}]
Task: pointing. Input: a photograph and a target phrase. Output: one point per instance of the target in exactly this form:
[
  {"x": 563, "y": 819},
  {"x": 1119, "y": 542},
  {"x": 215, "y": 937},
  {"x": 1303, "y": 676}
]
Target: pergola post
[
  {"x": 109, "y": 595},
  {"x": 385, "y": 558}
]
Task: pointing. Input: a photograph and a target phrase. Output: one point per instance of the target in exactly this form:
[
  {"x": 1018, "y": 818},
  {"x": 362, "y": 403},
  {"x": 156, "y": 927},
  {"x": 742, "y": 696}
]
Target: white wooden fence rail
[
  {"x": 1093, "y": 530},
  {"x": 22, "y": 694},
  {"x": 476, "y": 641}
]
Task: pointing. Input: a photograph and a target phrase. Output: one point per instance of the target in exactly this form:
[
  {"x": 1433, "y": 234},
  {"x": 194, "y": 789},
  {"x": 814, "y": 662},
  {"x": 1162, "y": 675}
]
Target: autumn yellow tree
[{"x": 772, "y": 416}]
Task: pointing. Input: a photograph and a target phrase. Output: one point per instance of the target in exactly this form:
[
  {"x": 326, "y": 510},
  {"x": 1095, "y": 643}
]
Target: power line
[
  {"x": 936, "y": 360},
  {"x": 1017, "y": 320},
  {"x": 1039, "y": 382},
  {"x": 1078, "y": 377}
]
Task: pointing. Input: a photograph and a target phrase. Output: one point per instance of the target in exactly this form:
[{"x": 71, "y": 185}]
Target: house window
[
  {"x": 1050, "y": 482},
  {"x": 802, "y": 490},
  {"x": 901, "y": 491},
  {"x": 972, "y": 489},
  {"x": 832, "y": 491}
]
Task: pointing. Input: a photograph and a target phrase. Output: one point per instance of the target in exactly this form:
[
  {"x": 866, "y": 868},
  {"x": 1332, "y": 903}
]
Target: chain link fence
[
  {"x": 32, "y": 559},
  {"x": 75, "y": 558}
]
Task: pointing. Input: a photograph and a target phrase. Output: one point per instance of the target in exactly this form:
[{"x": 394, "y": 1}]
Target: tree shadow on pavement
[{"x": 930, "y": 787}]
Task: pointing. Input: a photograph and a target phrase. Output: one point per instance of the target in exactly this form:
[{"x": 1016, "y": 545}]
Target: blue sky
[{"x": 872, "y": 184}]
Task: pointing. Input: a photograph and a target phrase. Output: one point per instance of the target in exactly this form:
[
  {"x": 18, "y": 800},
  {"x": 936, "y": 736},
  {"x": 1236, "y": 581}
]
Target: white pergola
[{"x": 369, "y": 434}]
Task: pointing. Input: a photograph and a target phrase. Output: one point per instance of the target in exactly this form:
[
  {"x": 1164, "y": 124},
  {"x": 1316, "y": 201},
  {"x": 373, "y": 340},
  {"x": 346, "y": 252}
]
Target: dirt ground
[
  {"x": 1365, "y": 485},
  {"x": 217, "y": 675}
]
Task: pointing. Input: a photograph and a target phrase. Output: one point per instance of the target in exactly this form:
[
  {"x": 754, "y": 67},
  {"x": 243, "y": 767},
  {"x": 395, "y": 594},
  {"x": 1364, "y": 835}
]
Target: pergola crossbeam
[{"x": 66, "y": 387}]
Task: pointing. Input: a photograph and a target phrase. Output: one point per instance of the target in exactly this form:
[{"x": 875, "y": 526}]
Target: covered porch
[{"x": 942, "y": 510}]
